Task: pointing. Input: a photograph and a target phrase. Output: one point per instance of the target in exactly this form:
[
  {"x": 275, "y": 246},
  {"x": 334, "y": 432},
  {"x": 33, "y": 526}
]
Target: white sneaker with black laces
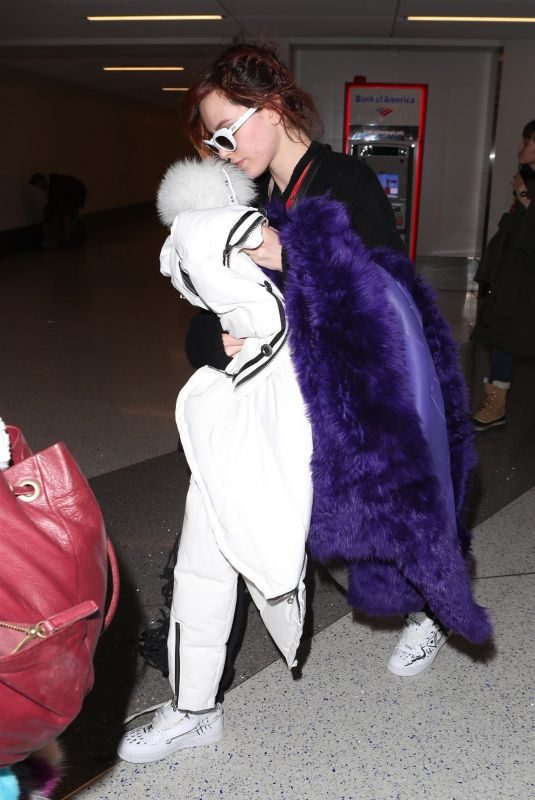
[
  {"x": 420, "y": 642},
  {"x": 169, "y": 732}
]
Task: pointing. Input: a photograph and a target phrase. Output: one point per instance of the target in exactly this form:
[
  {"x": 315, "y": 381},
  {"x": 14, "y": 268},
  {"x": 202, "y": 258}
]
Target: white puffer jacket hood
[{"x": 193, "y": 184}]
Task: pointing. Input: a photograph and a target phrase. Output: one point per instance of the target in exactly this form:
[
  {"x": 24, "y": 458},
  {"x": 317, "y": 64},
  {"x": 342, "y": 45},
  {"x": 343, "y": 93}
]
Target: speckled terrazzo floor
[{"x": 348, "y": 730}]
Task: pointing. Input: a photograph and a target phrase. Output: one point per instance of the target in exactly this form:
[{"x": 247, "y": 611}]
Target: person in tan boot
[
  {"x": 491, "y": 411},
  {"x": 505, "y": 321}
]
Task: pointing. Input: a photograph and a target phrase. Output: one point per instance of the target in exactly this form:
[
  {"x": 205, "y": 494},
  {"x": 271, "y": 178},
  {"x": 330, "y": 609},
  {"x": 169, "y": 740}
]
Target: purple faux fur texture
[{"x": 377, "y": 502}]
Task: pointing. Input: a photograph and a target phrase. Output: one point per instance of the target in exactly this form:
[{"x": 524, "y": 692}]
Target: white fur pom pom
[{"x": 211, "y": 183}]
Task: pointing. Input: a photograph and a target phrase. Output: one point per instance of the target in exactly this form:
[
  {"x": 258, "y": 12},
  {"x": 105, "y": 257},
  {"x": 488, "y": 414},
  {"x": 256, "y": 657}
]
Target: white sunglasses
[{"x": 223, "y": 139}]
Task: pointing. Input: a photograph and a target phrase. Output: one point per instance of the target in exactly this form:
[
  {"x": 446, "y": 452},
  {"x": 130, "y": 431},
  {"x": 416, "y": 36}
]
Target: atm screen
[{"x": 390, "y": 183}]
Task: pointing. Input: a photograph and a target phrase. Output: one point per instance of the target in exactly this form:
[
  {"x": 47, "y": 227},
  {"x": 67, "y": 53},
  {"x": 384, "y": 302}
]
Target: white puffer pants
[
  {"x": 247, "y": 511},
  {"x": 248, "y": 443}
]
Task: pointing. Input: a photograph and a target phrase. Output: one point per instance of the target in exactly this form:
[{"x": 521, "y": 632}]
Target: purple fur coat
[{"x": 387, "y": 499}]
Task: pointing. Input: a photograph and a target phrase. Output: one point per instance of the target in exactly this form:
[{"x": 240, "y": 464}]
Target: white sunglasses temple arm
[{"x": 239, "y": 122}]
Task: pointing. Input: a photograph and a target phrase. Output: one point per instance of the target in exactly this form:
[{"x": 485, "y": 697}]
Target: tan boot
[{"x": 491, "y": 412}]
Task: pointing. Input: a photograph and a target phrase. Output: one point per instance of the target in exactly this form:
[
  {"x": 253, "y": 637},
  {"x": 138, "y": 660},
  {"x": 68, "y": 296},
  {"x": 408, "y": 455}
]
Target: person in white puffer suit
[{"x": 248, "y": 444}]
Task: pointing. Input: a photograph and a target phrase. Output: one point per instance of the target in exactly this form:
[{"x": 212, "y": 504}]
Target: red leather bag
[{"x": 54, "y": 556}]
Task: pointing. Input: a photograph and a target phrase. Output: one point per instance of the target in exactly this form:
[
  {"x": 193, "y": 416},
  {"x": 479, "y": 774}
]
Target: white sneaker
[
  {"x": 420, "y": 642},
  {"x": 169, "y": 732}
]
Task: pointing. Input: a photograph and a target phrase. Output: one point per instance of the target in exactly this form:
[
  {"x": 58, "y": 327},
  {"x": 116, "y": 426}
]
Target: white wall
[
  {"x": 459, "y": 122},
  {"x": 517, "y": 106},
  {"x": 117, "y": 147}
]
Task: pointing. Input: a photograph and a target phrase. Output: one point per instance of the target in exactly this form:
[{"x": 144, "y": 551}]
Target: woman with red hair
[
  {"x": 385, "y": 398},
  {"x": 272, "y": 126}
]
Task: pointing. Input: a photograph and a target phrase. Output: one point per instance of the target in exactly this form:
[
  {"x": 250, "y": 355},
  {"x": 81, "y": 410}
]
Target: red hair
[{"x": 251, "y": 75}]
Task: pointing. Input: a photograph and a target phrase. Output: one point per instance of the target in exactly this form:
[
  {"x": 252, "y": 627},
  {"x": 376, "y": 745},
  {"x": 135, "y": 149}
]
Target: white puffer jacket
[{"x": 244, "y": 430}]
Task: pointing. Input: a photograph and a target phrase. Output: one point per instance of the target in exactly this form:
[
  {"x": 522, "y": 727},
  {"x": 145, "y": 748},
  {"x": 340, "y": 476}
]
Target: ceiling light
[
  {"x": 158, "y": 18},
  {"x": 143, "y": 69},
  {"x": 175, "y": 88},
  {"x": 470, "y": 19}
]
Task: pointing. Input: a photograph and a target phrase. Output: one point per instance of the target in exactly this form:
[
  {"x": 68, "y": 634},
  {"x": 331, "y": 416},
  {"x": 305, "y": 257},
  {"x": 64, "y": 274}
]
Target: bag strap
[
  {"x": 303, "y": 182},
  {"x": 115, "y": 582},
  {"x": 65, "y": 618}
]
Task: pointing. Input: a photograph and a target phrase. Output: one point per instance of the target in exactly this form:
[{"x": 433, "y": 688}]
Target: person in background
[
  {"x": 65, "y": 197},
  {"x": 505, "y": 321}
]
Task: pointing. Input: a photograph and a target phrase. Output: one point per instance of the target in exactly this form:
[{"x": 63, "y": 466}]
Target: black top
[
  {"x": 505, "y": 317},
  {"x": 353, "y": 183},
  {"x": 347, "y": 179}
]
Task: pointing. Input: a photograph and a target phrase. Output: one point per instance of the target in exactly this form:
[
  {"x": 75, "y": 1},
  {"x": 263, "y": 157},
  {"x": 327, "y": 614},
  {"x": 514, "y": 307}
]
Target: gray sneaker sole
[{"x": 486, "y": 426}]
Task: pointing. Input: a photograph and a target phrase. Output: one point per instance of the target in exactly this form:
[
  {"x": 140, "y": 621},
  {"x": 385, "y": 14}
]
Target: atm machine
[{"x": 384, "y": 125}]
